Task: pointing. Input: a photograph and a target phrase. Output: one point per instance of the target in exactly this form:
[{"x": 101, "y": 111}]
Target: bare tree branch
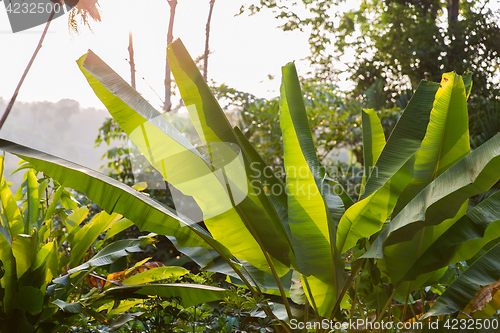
[
  {"x": 131, "y": 58},
  {"x": 16, "y": 92},
  {"x": 167, "y": 106},
  {"x": 205, "y": 55}
]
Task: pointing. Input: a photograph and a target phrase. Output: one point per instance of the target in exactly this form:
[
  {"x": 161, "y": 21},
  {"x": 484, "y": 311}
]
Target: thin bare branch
[
  {"x": 205, "y": 55},
  {"x": 16, "y": 92},
  {"x": 131, "y": 58},
  {"x": 167, "y": 106}
]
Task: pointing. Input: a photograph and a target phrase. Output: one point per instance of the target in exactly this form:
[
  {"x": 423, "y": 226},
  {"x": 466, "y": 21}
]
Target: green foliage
[
  {"x": 354, "y": 259},
  {"x": 43, "y": 240},
  {"x": 398, "y": 41}
]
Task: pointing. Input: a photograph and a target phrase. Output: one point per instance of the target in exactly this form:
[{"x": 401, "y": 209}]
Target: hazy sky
[{"x": 245, "y": 49}]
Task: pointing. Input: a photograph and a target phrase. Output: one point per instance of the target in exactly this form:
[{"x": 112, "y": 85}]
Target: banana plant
[
  {"x": 42, "y": 280},
  {"x": 344, "y": 255}
]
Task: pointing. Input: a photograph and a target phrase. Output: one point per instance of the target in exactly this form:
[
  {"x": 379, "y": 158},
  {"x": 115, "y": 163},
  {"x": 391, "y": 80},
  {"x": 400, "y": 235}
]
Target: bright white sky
[{"x": 245, "y": 49}]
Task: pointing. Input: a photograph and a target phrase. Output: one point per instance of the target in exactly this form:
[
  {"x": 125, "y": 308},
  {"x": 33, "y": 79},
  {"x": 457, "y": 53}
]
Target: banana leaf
[
  {"x": 406, "y": 137},
  {"x": 88, "y": 234},
  {"x": 463, "y": 239},
  {"x": 155, "y": 274},
  {"x": 446, "y": 140},
  {"x": 8, "y": 281},
  {"x": 443, "y": 197},
  {"x": 311, "y": 224},
  {"x": 260, "y": 216},
  {"x": 216, "y": 185},
  {"x": 373, "y": 141},
  {"x": 392, "y": 172},
  {"x": 114, "y": 196},
  {"x": 445, "y": 143},
  {"x": 188, "y": 294},
  {"x": 112, "y": 252},
  {"x": 484, "y": 271}
]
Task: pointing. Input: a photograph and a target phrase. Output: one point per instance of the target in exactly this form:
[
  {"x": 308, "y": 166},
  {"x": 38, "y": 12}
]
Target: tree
[{"x": 400, "y": 41}]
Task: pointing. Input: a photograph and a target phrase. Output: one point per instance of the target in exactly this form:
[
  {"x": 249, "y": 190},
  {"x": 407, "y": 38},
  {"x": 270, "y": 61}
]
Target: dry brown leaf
[{"x": 483, "y": 296}]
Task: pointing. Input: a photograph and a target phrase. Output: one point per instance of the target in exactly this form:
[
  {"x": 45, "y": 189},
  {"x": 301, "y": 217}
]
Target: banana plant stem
[
  {"x": 389, "y": 301},
  {"x": 346, "y": 286},
  {"x": 354, "y": 300}
]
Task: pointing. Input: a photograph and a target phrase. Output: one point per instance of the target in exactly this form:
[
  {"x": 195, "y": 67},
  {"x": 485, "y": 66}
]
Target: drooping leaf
[
  {"x": 156, "y": 274},
  {"x": 112, "y": 196},
  {"x": 112, "y": 252},
  {"x": 188, "y": 294}
]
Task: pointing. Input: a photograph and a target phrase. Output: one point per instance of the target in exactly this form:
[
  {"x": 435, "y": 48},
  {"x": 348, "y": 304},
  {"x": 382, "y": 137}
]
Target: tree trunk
[
  {"x": 167, "y": 106},
  {"x": 452, "y": 6},
  {"x": 205, "y": 55},
  {"x": 131, "y": 59}
]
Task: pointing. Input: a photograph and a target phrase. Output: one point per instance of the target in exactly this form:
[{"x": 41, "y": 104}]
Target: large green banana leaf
[
  {"x": 445, "y": 143},
  {"x": 484, "y": 271},
  {"x": 114, "y": 196},
  {"x": 463, "y": 239},
  {"x": 443, "y": 197},
  {"x": 373, "y": 141},
  {"x": 392, "y": 172},
  {"x": 182, "y": 166},
  {"x": 260, "y": 216},
  {"x": 311, "y": 225},
  {"x": 266, "y": 176},
  {"x": 406, "y": 137},
  {"x": 446, "y": 140}
]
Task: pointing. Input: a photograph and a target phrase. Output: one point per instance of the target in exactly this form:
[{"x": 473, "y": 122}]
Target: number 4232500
[
  {"x": 33, "y": 8},
  {"x": 455, "y": 324}
]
